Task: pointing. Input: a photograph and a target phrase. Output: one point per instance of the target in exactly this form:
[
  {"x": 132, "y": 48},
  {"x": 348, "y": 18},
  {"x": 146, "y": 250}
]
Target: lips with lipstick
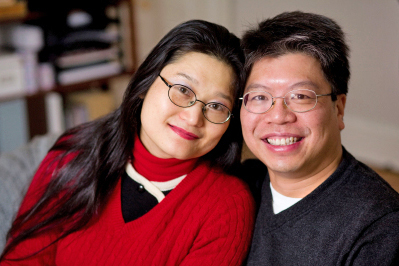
[
  {"x": 283, "y": 141},
  {"x": 183, "y": 133}
]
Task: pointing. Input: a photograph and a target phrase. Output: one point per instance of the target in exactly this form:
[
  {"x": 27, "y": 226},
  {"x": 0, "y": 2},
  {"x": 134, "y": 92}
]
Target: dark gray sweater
[{"x": 350, "y": 219}]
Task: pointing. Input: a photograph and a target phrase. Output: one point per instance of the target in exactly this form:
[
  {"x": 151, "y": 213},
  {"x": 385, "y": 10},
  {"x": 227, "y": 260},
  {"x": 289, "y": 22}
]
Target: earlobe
[{"x": 340, "y": 105}]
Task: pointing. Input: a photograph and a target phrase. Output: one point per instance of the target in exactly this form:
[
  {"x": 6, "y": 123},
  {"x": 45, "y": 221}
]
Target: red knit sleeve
[
  {"x": 226, "y": 235},
  {"x": 30, "y": 246}
]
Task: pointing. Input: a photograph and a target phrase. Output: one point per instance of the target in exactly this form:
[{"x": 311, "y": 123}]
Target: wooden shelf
[
  {"x": 87, "y": 84},
  {"x": 16, "y": 12},
  {"x": 36, "y": 106},
  {"x": 101, "y": 82}
]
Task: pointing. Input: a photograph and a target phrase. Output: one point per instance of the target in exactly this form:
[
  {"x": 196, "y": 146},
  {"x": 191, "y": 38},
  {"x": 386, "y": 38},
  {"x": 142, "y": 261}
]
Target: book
[
  {"x": 86, "y": 57},
  {"x": 54, "y": 113},
  {"x": 11, "y": 75},
  {"x": 30, "y": 64},
  {"x": 124, "y": 12},
  {"x": 37, "y": 114},
  {"x": 24, "y": 37},
  {"x": 81, "y": 74},
  {"x": 13, "y": 125},
  {"x": 86, "y": 106}
]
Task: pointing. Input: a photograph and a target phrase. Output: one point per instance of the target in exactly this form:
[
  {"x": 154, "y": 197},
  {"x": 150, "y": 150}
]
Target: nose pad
[
  {"x": 280, "y": 114},
  {"x": 282, "y": 102}
]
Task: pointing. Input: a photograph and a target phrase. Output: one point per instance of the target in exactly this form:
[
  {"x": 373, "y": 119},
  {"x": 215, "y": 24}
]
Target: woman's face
[{"x": 169, "y": 131}]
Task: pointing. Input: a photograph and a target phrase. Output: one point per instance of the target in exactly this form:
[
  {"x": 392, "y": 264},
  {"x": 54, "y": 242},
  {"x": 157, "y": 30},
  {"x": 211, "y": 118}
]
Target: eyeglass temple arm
[
  {"x": 166, "y": 83},
  {"x": 332, "y": 94}
]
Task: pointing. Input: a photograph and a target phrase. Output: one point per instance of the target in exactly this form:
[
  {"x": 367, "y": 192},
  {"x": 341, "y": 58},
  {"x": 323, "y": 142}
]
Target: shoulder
[
  {"x": 54, "y": 161},
  {"x": 228, "y": 184},
  {"x": 364, "y": 187},
  {"x": 229, "y": 196},
  {"x": 374, "y": 186},
  {"x": 364, "y": 179},
  {"x": 215, "y": 195},
  {"x": 223, "y": 186}
]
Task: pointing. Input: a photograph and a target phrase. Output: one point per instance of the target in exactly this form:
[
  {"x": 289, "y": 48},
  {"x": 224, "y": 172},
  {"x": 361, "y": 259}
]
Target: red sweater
[{"x": 206, "y": 220}]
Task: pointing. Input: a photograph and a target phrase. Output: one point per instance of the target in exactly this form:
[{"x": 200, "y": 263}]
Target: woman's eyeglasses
[{"x": 184, "y": 97}]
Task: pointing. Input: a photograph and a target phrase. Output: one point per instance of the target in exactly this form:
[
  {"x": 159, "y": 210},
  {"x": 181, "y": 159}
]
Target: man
[{"x": 319, "y": 205}]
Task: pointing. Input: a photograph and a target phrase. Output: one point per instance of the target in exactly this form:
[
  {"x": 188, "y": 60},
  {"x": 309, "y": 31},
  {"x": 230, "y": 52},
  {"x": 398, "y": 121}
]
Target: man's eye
[
  {"x": 259, "y": 97},
  {"x": 300, "y": 96}
]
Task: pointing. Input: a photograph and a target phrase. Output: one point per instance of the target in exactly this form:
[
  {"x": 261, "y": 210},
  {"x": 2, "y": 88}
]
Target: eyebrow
[
  {"x": 196, "y": 82},
  {"x": 292, "y": 87},
  {"x": 224, "y": 96},
  {"x": 256, "y": 86},
  {"x": 305, "y": 83},
  {"x": 187, "y": 77}
]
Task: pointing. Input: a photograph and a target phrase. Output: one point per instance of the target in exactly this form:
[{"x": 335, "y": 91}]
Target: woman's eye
[
  {"x": 183, "y": 90},
  {"x": 216, "y": 106}
]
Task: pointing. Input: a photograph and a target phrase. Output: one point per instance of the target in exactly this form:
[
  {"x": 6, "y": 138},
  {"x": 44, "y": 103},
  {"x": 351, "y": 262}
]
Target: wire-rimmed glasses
[
  {"x": 184, "y": 97},
  {"x": 300, "y": 101}
]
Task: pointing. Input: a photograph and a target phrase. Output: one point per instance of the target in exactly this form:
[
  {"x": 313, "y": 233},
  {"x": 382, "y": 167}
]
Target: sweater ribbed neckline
[
  {"x": 113, "y": 211},
  {"x": 158, "y": 169}
]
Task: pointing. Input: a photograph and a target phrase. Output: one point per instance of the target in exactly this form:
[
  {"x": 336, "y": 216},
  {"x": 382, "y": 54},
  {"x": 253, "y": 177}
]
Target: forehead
[
  {"x": 201, "y": 72},
  {"x": 286, "y": 72}
]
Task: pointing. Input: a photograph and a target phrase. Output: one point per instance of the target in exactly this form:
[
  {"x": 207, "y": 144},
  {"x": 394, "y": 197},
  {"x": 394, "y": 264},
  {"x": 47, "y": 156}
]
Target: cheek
[
  {"x": 321, "y": 127},
  {"x": 249, "y": 121},
  {"x": 155, "y": 107},
  {"x": 221, "y": 129},
  {"x": 147, "y": 113},
  {"x": 216, "y": 133}
]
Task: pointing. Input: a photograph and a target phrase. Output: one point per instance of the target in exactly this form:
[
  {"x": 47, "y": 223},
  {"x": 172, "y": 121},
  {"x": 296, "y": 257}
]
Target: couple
[{"x": 153, "y": 183}]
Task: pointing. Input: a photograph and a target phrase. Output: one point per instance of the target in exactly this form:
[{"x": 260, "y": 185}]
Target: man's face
[{"x": 316, "y": 143}]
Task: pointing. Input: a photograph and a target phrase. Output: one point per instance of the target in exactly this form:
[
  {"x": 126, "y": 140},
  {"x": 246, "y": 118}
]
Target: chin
[
  {"x": 280, "y": 166},
  {"x": 182, "y": 156}
]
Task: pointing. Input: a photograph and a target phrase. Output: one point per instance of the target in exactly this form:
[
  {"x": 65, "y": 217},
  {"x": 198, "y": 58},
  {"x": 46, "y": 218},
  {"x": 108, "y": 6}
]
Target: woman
[{"x": 98, "y": 198}]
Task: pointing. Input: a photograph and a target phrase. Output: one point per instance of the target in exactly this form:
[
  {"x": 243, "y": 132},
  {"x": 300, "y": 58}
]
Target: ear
[
  {"x": 340, "y": 107},
  {"x": 142, "y": 96}
]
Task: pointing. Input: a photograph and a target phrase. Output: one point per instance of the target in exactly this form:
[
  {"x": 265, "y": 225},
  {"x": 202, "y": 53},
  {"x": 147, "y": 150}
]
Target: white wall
[
  {"x": 154, "y": 18},
  {"x": 372, "y": 28}
]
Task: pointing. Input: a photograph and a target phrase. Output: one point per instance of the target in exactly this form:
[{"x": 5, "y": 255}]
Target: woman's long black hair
[{"x": 101, "y": 148}]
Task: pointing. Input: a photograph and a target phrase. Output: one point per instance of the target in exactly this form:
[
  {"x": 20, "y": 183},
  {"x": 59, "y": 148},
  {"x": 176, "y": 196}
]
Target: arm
[{"x": 225, "y": 237}]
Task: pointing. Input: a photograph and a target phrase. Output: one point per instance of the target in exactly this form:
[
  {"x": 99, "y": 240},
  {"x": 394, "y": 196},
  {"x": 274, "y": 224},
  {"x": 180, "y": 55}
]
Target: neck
[
  {"x": 299, "y": 185},
  {"x": 158, "y": 169}
]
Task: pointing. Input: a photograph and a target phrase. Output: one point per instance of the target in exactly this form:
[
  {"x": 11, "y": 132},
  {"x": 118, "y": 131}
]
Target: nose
[
  {"x": 279, "y": 113},
  {"x": 193, "y": 115}
]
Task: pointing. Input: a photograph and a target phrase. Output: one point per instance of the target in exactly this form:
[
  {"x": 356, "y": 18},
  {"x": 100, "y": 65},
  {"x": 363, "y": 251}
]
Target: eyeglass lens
[
  {"x": 297, "y": 100},
  {"x": 182, "y": 96}
]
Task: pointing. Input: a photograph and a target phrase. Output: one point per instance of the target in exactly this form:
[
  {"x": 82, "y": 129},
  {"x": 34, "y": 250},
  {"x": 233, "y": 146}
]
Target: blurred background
[{"x": 62, "y": 64}]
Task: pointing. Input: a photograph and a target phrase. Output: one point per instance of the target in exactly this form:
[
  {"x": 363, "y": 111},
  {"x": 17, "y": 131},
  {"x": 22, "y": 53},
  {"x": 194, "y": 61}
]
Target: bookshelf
[{"x": 62, "y": 67}]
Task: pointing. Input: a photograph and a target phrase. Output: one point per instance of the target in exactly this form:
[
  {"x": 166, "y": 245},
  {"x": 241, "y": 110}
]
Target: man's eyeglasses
[
  {"x": 184, "y": 97},
  {"x": 299, "y": 101}
]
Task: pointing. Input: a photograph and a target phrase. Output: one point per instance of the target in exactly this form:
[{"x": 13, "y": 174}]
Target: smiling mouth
[{"x": 282, "y": 141}]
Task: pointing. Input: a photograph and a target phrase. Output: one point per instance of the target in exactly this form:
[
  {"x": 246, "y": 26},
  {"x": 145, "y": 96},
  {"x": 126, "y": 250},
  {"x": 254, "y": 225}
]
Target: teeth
[{"x": 282, "y": 142}]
